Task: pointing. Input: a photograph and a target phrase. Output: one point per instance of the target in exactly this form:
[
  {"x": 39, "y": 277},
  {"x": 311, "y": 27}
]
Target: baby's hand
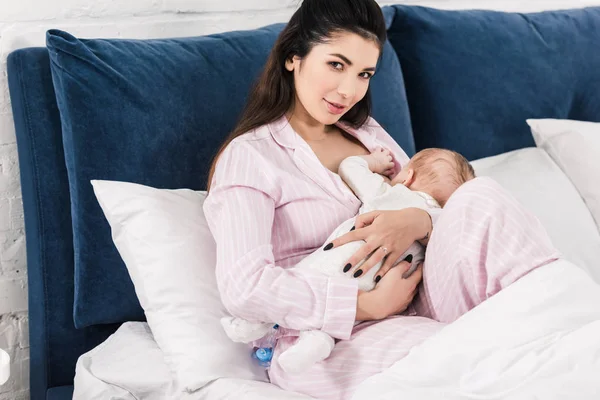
[{"x": 381, "y": 162}]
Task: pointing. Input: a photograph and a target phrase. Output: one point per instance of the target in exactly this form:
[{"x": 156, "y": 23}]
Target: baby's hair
[{"x": 432, "y": 165}]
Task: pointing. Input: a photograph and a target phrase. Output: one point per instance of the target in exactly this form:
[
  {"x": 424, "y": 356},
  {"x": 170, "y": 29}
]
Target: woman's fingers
[
  {"x": 356, "y": 258},
  {"x": 416, "y": 276},
  {"x": 366, "y": 219},
  {"x": 351, "y": 236},
  {"x": 405, "y": 265},
  {"x": 412, "y": 295},
  {"x": 410, "y": 270},
  {"x": 388, "y": 263},
  {"x": 356, "y": 233},
  {"x": 376, "y": 257}
]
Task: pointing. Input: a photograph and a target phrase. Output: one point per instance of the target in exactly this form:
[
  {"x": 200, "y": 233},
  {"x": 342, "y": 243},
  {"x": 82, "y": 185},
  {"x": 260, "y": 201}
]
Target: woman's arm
[{"x": 240, "y": 212}]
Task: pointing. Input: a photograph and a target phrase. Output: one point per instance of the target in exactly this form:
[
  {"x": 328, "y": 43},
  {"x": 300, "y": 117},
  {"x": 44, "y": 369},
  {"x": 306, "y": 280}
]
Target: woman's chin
[
  {"x": 329, "y": 119},
  {"x": 325, "y": 117}
]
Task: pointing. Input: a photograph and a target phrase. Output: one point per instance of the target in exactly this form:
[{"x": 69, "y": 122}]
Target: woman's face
[{"x": 333, "y": 77}]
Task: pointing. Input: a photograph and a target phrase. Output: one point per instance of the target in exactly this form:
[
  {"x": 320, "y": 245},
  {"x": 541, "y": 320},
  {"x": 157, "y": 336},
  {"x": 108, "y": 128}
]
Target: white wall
[{"x": 23, "y": 24}]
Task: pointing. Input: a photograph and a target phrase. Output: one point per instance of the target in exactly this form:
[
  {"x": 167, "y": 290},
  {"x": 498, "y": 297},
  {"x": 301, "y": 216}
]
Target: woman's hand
[
  {"x": 391, "y": 296},
  {"x": 388, "y": 234}
]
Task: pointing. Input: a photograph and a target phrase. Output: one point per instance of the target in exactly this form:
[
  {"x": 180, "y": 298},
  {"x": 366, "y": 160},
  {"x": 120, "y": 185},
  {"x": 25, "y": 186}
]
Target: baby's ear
[{"x": 410, "y": 178}]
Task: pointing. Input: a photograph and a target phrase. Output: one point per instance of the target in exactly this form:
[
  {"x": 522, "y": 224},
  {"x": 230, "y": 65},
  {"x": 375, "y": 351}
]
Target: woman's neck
[{"x": 307, "y": 127}]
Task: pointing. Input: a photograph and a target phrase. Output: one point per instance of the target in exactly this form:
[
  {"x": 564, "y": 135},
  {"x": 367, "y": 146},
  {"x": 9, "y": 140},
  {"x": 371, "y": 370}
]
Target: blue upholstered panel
[
  {"x": 154, "y": 112},
  {"x": 55, "y": 343},
  {"x": 60, "y": 393},
  {"x": 474, "y": 77}
]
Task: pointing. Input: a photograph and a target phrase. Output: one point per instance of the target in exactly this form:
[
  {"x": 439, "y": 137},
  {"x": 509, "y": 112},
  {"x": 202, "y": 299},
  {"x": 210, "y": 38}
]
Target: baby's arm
[
  {"x": 380, "y": 161},
  {"x": 361, "y": 173}
]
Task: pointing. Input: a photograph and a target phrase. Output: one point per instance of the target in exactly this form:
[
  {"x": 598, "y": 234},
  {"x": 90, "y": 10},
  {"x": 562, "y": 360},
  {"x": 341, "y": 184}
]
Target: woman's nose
[{"x": 347, "y": 88}]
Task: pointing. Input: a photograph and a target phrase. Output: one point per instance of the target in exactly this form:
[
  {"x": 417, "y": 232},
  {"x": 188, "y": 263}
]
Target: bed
[{"x": 494, "y": 86}]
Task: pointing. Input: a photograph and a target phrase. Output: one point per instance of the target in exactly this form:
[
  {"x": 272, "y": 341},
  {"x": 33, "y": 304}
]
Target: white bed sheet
[{"x": 129, "y": 365}]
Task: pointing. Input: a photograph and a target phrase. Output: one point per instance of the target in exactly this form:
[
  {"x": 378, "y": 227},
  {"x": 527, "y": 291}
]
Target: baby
[{"x": 427, "y": 182}]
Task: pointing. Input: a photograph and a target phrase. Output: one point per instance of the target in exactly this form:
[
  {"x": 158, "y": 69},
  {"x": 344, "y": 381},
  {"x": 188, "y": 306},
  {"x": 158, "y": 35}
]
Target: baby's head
[{"x": 437, "y": 172}]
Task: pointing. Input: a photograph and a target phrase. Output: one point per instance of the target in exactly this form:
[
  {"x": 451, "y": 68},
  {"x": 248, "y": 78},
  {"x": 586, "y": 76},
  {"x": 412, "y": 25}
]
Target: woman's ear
[{"x": 290, "y": 63}]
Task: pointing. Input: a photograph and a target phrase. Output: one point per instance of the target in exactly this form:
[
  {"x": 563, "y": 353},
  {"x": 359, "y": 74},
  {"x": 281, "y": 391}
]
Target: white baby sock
[{"x": 310, "y": 348}]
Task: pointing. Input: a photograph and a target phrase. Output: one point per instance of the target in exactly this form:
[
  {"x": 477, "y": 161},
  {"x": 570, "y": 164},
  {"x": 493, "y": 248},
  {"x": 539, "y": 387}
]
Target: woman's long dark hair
[{"x": 314, "y": 22}]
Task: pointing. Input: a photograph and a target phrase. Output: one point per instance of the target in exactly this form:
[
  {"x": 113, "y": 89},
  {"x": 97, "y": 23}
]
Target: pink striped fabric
[
  {"x": 484, "y": 240},
  {"x": 272, "y": 203}
]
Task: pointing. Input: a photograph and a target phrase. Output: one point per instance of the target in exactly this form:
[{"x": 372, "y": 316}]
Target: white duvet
[{"x": 537, "y": 339}]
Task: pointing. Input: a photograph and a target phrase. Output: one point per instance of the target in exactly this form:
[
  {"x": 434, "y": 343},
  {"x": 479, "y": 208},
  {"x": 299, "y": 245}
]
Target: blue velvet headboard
[
  {"x": 55, "y": 343},
  {"x": 471, "y": 110}
]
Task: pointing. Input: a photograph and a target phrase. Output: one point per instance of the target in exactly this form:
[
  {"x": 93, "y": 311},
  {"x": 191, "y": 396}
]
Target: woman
[{"x": 275, "y": 197}]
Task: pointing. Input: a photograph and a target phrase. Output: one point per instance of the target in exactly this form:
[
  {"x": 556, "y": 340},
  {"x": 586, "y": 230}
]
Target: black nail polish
[
  {"x": 328, "y": 247},
  {"x": 347, "y": 267},
  {"x": 352, "y": 228},
  {"x": 408, "y": 258},
  {"x": 358, "y": 273},
  {"x": 377, "y": 279}
]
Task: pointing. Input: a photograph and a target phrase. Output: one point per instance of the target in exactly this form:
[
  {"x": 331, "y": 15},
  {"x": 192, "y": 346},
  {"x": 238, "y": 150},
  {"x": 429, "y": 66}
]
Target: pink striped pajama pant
[{"x": 483, "y": 241}]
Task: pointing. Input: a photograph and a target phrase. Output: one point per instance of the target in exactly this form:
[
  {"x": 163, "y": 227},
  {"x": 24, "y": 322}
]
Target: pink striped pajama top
[{"x": 272, "y": 203}]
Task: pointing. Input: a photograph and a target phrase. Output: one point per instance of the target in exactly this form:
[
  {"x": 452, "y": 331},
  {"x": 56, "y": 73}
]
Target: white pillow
[
  {"x": 575, "y": 147},
  {"x": 170, "y": 254},
  {"x": 537, "y": 182}
]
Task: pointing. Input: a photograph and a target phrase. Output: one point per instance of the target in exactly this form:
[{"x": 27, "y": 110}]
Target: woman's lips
[{"x": 335, "y": 108}]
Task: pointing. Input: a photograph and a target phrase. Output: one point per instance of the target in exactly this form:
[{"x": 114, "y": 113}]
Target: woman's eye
[
  {"x": 366, "y": 75},
  {"x": 336, "y": 65}
]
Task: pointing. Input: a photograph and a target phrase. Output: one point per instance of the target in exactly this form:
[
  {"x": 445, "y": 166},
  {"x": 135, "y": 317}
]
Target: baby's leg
[{"x": 310, "y": 348}]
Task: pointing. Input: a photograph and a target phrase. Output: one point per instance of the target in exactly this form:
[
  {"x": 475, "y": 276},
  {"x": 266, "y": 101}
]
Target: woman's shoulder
[
  {"x": 251, "y": 151},
  {"x": 258, "y": 142},
  {"x": 256, "y": 134}
]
